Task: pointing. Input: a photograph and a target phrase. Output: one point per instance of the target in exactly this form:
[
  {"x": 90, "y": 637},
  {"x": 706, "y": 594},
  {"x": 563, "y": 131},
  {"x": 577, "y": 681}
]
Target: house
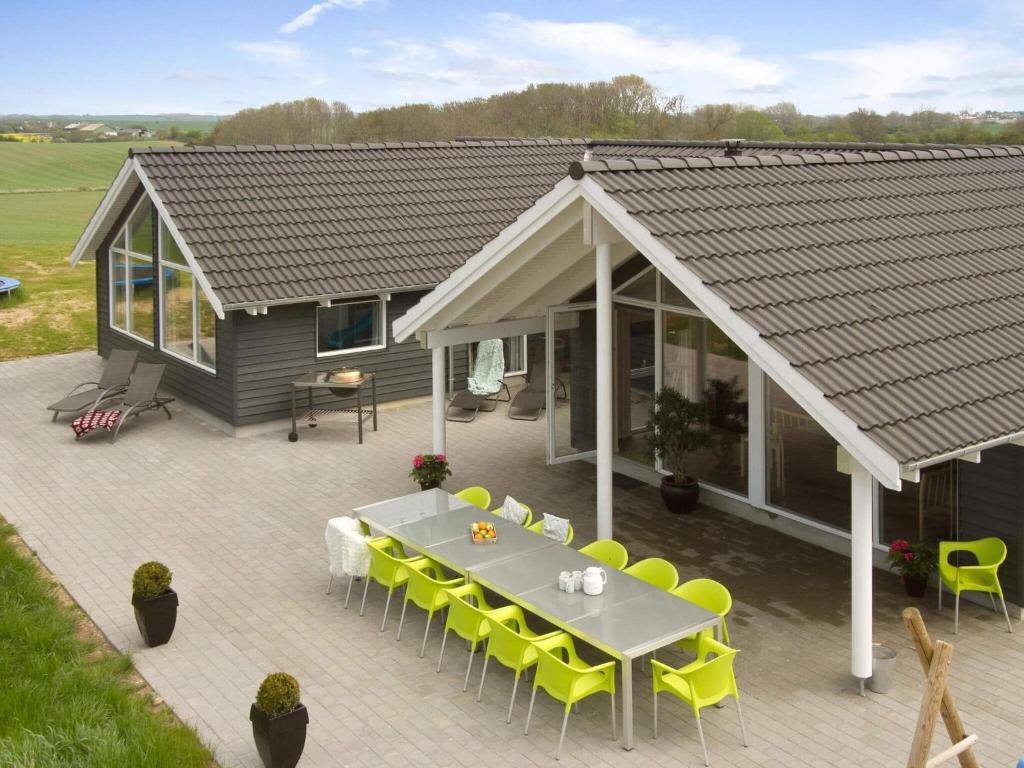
[{"x": 850, "y": 313}]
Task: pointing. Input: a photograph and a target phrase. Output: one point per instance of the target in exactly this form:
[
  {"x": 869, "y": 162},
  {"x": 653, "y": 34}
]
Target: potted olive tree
[
  {"x": 676, "y": 427},
  {"x": 156, "y": 604},
  {"x": 279, "y": 721}
]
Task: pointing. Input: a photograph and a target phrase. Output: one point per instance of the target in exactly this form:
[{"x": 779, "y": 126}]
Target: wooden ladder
[{"x": 935, "y": 659}]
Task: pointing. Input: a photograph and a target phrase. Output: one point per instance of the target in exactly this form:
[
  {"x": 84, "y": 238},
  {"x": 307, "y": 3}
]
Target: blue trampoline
[{"x": 8, "y": 284}]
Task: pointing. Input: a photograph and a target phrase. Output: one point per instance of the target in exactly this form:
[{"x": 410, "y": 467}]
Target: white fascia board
[
  {"x": 970, "y": 453},
  {"x": 84, "y": 247},
  {"x": 547, "y": 207},
  {"x": 863, "y": 449},
  {"x": 197, "y": 273},
  {"x": 466, "y": 334}
]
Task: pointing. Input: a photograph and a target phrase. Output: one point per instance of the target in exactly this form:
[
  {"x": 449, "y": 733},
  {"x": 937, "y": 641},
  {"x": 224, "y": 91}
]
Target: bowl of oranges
[{"x": 483, "y": 533}]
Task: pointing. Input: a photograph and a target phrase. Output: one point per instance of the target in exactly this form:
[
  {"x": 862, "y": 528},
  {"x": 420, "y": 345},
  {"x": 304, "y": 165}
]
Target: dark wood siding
[
  {"x": 992, "y": 504},
  {"x": 276, "y": 348},
  {"x": 212, "y": 392}
]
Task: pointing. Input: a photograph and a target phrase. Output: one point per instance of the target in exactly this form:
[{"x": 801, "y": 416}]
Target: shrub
[
  {"x": 278, "y": 694},
  {"x": 151, "y": 579}
]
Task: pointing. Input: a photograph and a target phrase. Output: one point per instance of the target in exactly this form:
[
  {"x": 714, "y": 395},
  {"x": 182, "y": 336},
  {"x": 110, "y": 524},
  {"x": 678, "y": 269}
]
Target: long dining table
[{"x": 629, "y": 619}]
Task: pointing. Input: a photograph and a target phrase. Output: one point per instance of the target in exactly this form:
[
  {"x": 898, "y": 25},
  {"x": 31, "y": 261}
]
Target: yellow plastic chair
[
  {"x": 467, "y": 618},
  {"x": 710, "y": 595},
  {"x": 568, "y": 679},
  {"x": 388, "y": 568},
  {"x": 608, "y": 551},
  {"x": 983, "y": 577},
  {"x": 655, "y": 571},
  {"x": 476, "y": 495},
  {"x": 538, "y": 527},
  {"x": 427, "y": 588},
  {"x": 526, "y": 521},
  {"x": 700, "y": 684},
  {"x": 511, "y": 642}
]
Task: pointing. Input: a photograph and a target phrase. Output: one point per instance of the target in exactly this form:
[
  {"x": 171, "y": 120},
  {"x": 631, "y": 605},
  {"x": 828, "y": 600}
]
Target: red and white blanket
[{"x": 86, "y": 423}]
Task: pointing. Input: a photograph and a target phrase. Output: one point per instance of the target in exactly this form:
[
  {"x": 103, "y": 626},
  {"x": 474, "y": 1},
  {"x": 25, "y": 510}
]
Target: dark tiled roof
[
  {"x": 281, "y": 223},
  {"x": 892, "y": 280},
  {"x": 288, "y": 222}
]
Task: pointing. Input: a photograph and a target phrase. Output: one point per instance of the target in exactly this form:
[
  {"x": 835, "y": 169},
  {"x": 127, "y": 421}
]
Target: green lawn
[
  {"x": 63, "y": 166},
  {"x": 66, "y": 700}
]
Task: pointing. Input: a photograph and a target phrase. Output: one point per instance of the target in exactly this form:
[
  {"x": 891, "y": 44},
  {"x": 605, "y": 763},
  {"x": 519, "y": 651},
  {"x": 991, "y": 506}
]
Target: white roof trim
[
  {"x": 197, "y": 273},
  {"x": 862, "y": 448},
  {"x": 82, "y": 247},
  {"x": 529, "y": 221}
]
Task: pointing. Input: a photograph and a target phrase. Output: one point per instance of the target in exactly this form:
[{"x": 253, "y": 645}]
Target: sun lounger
[
  {"x": 112, "y": 412},
  {"x": 484, "y": 387},
  {"x": 113, "y": 381}
]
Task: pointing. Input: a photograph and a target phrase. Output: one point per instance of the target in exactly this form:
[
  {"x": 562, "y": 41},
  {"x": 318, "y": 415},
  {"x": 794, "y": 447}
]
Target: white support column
[
  {"x": 861, "y": 518},
  {"x": 438, "y": 394},
  {"x": 756, "y": 458},
  {"x": 605, "y": 404}
]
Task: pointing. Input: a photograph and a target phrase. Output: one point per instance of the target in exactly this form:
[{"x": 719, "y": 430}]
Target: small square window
[{"x": 350, "y": 326}]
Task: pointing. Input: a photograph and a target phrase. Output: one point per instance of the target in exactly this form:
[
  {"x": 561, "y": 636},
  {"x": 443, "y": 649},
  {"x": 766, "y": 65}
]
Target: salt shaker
[
  {"x": 577, "y": 580},
  {"x": 570, "y": 585},
  {"x": 563, "y": 579}
]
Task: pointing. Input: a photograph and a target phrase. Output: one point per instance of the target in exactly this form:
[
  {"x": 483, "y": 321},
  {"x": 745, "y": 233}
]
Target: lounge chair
[
  {"x": 531, "y": 400},
  {"x": 113, "y": 381},
  {"x": 484, "y": 387},
  {"x": 112, "y": 412}
]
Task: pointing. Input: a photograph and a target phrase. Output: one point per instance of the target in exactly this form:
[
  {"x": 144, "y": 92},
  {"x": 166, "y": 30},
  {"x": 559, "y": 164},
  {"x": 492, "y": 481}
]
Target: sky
[{"x": 216, "y": 57}]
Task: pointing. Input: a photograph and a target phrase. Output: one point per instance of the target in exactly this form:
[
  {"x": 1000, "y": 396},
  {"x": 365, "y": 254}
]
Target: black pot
[
  {"x": 279, "y": 740},
  {"x": 680, "y": 499},
  {"x": 428, "y": 486},
  {"x": 915, "y": 585},
  {"x": 156, "y": 616}
]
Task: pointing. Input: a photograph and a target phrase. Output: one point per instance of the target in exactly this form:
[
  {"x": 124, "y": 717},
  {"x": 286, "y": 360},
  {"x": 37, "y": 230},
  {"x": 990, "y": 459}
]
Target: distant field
[
  {"x": 63, "y": 166},
  {"x": 55, "y": 310}
]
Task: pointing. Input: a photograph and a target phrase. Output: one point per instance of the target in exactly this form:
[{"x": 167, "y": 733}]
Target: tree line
[{"x": 626, "y": 107}]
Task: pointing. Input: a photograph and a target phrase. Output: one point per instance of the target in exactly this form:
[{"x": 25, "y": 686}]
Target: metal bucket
[{"x": 883, "y": 668}]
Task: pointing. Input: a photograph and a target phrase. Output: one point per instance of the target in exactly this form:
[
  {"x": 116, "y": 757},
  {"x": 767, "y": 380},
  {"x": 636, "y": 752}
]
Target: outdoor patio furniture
[
  {"x": 533, "y": 398},
  {"x": 112, "y": 412},
  {"x": 114, "y": 379},
  {"x": 608, "y": 551},
  {"x": 538, "y": 527},
  {"x": 426, "y": 587},
  {"x": 484, "y": 387},
  {"x": 513, "y": 644},
  {"x": 527, "y": 512},
  {"x": 656, "y": 571},
  {"x": 467, "y": 618},
  {"x": 565, "y": 677},
  {"x": 386, "y": 569},
  {"x": 707, "y": 593},
  {"x": 476, "y": 495},
  {"x": 347, "y": 388},
  {"x": 700, "y": 684},
  {"x": 348, "y": 550},
  {"x": 983, "y": 577}
]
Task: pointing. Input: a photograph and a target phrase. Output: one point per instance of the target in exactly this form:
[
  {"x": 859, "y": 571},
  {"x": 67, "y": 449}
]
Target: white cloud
[
  {"x": 309, "y": 16},
  {"x": 191, "y": 76},
  {"x": 358, "y": 52},
  {"x": 274, "y": 51}
]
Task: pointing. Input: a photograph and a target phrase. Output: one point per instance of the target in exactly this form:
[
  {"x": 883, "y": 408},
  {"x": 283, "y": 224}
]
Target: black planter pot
[
  {"x": 279, "y": 740},
  {"x": 915, "y": 585},
  {"x": 428, "y": 486},
  {"x": 156, "y": 616},
  {"x": 680, "y": 499}
]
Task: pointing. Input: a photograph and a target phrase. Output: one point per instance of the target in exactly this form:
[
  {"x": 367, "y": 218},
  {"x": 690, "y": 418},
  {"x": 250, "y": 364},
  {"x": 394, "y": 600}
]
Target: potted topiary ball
[
  {"x": 279, "y": 721},
  {"x": 156, "y": 604}
]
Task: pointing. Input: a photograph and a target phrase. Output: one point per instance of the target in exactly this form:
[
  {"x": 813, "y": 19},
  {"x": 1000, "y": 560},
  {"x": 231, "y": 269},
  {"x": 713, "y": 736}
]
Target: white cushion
[
  {"x": 513, "y": 511},
  {"x": 556, "y": 528}
]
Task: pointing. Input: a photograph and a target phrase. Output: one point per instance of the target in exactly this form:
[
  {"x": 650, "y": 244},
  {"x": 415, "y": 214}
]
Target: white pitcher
[{"x": 594, "y": 579}]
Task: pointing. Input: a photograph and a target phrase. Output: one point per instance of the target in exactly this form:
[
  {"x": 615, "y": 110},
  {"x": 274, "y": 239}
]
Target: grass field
[
  {"x": 55, "y": 309},
  {"x": 67, "y": 699}
]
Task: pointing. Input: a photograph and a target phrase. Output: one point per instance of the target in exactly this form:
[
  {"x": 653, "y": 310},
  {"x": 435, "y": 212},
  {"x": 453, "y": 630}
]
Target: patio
[{"x": 240, "y": 522}]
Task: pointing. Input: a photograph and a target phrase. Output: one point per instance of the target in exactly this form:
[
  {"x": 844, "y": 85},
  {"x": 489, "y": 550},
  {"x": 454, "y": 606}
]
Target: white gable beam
[
  {"x": 172, "y": 228},
  {"x": 84, "y": 247},
  {"x": 467, "y": 334},
  {"x": 865, "y": 451}
]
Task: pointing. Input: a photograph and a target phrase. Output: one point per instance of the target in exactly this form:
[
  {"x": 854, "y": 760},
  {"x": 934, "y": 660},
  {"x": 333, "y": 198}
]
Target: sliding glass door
[{"x": 572, "y": 383}]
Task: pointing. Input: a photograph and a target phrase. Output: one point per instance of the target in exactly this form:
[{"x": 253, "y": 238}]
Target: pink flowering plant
[
  {"x": 430, "y": 469},
  {"x": 912, "y": 559}
]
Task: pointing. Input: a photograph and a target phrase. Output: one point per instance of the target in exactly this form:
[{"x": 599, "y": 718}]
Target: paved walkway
[{"x": 240, "y": 521}]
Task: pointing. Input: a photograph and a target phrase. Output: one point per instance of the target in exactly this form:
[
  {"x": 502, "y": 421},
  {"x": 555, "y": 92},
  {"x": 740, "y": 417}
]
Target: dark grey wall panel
[{"x": 991, "y": 496}]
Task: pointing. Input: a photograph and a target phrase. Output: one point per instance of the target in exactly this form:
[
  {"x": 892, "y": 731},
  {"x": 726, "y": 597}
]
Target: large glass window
[
  {"x": 188, "y": 324},
  {"x": 701, "y": 362},
  {"x": 131, "y": 275},
  {"x": 923, "y": 511},
  {"x": 801, "y": 463},
  {"x": 350, "y": 326}
]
